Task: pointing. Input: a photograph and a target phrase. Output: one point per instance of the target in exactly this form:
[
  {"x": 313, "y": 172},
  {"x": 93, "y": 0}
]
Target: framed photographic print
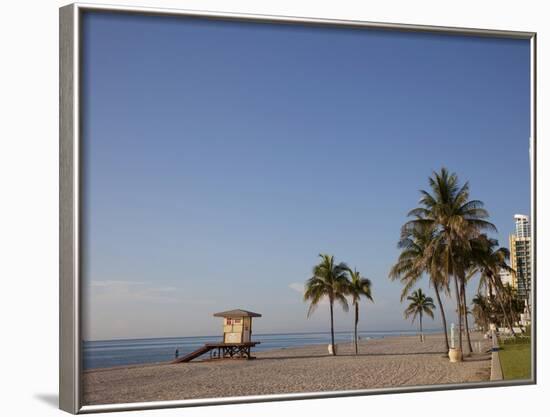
[{"x": 258, "y": 208}]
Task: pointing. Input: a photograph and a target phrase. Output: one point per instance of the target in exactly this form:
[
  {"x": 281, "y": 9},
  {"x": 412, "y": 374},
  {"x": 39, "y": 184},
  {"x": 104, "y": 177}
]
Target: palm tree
[
  {"x": 465, "y": 311},
  {"x": 328, "y": 281},
  {"x": 515, "y": 305},
  {"x": 481, "y": 311},
  {"x": 455, "y": 219},
  {"x": 417, "y": 257},
  {"x": 357, "y": 287},
  {"x": 489, "y": 259},
  {"x": 419, "y": 305}
]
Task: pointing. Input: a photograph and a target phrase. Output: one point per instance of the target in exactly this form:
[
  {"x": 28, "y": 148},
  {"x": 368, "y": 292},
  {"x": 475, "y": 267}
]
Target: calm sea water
[{"x": 105, "y": 354}]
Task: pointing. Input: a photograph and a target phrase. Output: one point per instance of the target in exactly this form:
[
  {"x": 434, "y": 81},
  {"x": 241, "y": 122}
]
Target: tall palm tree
[
  {"x": 456, "y": 219},
  {"x": 358, "y": 287},
  {"x": 465, "y": 311},
  {"x": 419, "y": 305},
  {"x": 417, "y": 257},
  {"x": 328, "y": 281}
]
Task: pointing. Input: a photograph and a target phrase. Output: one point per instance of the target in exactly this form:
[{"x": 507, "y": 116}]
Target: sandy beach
[{"x": 381, "y": 363}]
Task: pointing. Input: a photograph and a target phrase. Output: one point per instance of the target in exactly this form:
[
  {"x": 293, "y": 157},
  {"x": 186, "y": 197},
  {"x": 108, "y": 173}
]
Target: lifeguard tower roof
[{"x": 237, "y": 313}]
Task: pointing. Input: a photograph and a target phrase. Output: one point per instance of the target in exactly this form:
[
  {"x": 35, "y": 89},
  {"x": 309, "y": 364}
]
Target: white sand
[{"x": 381, "y": 363}]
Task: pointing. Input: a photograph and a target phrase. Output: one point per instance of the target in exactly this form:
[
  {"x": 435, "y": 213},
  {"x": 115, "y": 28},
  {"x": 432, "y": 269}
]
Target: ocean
[{"x": 109, "y": 353}]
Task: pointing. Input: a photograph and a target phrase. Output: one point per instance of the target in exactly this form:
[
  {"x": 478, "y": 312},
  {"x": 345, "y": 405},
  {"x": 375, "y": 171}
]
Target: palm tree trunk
[
  {"x": 450, "y": 259},
  {"x": 356, "y": 321},
  {"x": 492, "y": 317},
  {"x": 463, "y": 285},
  {"x": 421, "y": 335},
  {"x": 459, "y": 309},
  {"x": 442, "y": 316},
  {"x": 332, "y": 328},
  {"x": 511, "y": 310}
]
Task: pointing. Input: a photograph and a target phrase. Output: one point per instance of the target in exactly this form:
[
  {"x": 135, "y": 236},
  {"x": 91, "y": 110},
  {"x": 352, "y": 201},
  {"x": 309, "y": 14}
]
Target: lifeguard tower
[{"x": 237, "y": 338}]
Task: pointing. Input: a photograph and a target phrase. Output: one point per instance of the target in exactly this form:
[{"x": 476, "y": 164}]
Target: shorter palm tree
[
  {"x": 515, "y": 305},
  {"x": 489, "y": 259},
  {"x": 328, "y": 281},
  {"x": 357, "y": 287},
  {"x": 419, "y": 305},
  {"x": 418, "y": 255},
  {"x": 481, "y": 311}
]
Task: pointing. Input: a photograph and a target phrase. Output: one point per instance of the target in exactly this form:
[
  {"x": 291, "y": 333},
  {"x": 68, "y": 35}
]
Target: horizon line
[{"x": 261, "y": 334}]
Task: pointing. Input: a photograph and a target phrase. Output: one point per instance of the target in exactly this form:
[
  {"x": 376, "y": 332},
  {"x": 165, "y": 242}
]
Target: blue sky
[{"x": 221, "y": 158}]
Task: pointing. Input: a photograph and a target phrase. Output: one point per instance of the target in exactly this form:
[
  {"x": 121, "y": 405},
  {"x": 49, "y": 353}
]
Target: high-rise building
[
  {"x": 523, "y": 228},
  {"x": 520, "y": 256}
]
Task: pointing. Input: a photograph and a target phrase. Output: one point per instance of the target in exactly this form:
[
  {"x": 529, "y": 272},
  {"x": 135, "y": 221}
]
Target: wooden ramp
[
  {"x": 224, "y": 350},
  {"x": 194, "y": 354}
]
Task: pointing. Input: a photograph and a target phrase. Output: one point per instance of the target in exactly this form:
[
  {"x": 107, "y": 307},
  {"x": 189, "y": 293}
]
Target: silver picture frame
[{"x": 71, "y": 190}]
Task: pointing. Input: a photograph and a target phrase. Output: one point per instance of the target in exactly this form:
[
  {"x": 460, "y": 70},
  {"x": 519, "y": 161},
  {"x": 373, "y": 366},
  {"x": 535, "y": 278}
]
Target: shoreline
[
  {"x": 387, "y": 362},
  {"x": 256, "y": 352}
]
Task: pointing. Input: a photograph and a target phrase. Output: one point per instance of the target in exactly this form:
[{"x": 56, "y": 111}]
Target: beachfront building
[{"x": 520, "y": 256}]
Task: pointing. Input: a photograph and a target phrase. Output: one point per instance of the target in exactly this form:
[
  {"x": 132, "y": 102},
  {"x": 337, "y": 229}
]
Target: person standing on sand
[{"x": 177, "y": 354}]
